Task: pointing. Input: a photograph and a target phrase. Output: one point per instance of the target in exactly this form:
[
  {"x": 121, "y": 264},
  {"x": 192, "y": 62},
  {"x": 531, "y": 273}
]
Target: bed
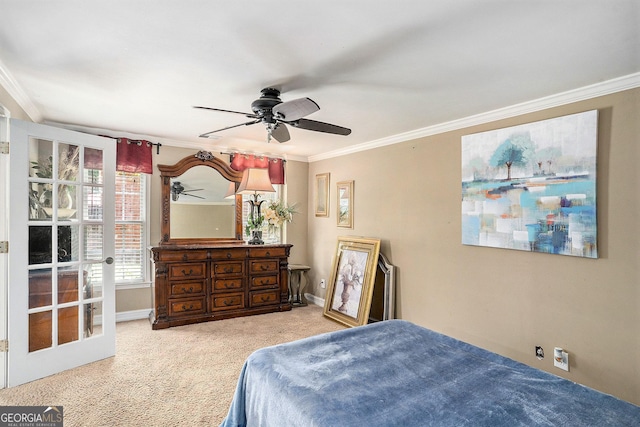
[{"x": 395, "y": 373}]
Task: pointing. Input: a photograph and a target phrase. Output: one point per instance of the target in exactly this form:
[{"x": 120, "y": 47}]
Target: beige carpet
[{"x": 183, "y": 376}]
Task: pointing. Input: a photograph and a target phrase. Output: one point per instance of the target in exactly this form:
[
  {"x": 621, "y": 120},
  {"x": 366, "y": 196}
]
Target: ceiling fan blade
[
  {"x": 253, "y": 122},
  {"x": 195, "y": 189},
  {"x": 192, "y": 195},
  {"x": 251, "y": 115},
  {"x": 295, "y": 109},
  {"x": 280, "y": 133},
  {"x": 320, "y": 127}
]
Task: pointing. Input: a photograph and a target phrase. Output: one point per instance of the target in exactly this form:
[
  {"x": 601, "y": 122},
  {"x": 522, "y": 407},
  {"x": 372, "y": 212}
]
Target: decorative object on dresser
[
  {"x": 214, "y": 277},
  {"x": 254, "y": 182}
]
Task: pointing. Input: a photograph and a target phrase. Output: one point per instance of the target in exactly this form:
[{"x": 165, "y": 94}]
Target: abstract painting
[{"x": 532, "y": 187}]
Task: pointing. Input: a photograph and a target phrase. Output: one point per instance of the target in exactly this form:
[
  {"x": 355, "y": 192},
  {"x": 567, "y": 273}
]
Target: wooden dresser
[{"x": 200, "y": 283}]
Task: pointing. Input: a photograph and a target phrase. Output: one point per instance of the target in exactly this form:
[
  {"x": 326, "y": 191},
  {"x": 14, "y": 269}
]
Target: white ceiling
[{"x": 381, "y": 68}]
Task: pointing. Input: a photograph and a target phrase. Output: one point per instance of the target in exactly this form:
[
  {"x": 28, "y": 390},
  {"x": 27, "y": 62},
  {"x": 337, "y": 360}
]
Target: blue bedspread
[{"x": 395, "y": 373}]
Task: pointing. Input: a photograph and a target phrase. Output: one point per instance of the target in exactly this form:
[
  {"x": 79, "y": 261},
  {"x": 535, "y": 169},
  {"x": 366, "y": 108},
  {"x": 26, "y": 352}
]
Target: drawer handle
[
  {"x": 264, "y": 267},
  {"x": 187, "y": 291},
  {"x": 228, "y": 269},
  {"x": 184, "y": 273},
  {"x": 229, "y": 285},
  {"x": 184, "y": 307},
  {"x": 265, "y": 282},
  {"x": 268, "y": 253},
  {"x": 229, "y": 302},
  {"x": 228, "y": 255},
  {"x": 265, "y": 298}
]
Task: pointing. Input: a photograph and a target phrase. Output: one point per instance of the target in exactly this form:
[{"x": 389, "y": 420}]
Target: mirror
[{"x": 194, "y": 208}]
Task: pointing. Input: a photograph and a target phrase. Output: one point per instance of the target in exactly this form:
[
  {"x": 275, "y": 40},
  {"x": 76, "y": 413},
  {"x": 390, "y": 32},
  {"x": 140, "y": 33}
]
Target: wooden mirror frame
[{"x": 202, "y": 158}]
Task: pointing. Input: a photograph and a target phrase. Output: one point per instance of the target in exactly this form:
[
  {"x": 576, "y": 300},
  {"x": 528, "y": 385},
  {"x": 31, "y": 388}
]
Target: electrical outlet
[
  {"x": 561, "y": 359},
  {"x": 323, "y": 284},
  {"x": 539, "y": 352}
]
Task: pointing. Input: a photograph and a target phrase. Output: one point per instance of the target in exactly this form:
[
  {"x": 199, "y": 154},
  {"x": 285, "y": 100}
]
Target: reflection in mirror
[
  {"x": 198, "y": 205},
  {"x": 203, "y": 179}
]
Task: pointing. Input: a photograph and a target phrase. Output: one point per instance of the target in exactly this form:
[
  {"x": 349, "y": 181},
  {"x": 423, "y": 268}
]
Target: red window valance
[
  {"x": 240, "y": 162},
  {"x": 134, "y": 156}
]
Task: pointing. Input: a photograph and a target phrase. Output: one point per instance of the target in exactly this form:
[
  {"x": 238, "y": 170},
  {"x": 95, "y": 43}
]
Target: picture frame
[
  {"x": 345, "y": 204},
  {"x": 350, "y": 289},
  {"x": 533, "y": 187},
  {"x": 322, "y": 194}
]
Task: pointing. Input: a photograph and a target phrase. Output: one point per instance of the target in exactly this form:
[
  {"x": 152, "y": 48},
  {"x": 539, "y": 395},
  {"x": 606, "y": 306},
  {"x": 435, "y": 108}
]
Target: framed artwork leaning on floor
[{"x": 350, "y": 289}]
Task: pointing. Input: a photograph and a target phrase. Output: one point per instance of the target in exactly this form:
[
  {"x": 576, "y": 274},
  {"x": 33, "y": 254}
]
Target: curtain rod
[
  {"x": 137, "y": 141},
  {"x": 232, "y": 153}
]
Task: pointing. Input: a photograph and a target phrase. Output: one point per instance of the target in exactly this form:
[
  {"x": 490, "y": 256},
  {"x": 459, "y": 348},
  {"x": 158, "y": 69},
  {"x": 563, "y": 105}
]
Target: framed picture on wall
[
  {"x": 322, "y": 194},
  {"x": 345, "y": 204},
  {"x": 532, "y": 187},
  {"x": 350, "y": 289}
]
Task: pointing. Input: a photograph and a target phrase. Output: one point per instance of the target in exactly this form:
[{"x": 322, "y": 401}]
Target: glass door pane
[{"x": 54, "y": 244}]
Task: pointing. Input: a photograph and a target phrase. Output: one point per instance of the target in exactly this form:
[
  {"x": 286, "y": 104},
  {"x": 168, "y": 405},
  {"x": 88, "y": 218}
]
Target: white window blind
[{"x": 130, "y": 227}]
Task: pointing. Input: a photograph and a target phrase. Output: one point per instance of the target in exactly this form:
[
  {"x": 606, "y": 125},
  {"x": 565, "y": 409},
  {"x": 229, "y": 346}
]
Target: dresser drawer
[
  {"x": 184, "y": 256},
  {"x": 227, "y": 301},
  {"x": 264, "y": 298},
  {"x": 235, "y": 253},
  {"x": 193, "y": 270},
  {"x": 226, "y": 285},
  {"x": 228, "y": 267},
  {"x": 263, "y": 266},
  {"x": 264, "y": 281},
  {"x": 180, "y": 289},
  {"x": 266, "y": 252},
  {"x": 185, "y": 306}
]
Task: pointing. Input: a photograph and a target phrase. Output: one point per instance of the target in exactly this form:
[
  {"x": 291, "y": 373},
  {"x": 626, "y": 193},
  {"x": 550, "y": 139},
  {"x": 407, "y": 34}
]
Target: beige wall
[
  {"x": 297, "y": 174},
  {"x": 507, "y": 301}
]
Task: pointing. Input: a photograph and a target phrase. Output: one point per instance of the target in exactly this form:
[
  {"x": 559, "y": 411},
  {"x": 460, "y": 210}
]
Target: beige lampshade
[
  {"x": 231, "y": 191},
  {"x": 255, "y": 180}
]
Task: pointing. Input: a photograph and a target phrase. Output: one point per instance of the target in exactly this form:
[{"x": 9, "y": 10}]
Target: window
[{"x": 131, "y": 228}]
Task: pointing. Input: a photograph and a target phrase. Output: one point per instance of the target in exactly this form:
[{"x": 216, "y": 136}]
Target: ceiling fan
[
  {"x": 177, "y": 189},
  {"x": 275, "y": 114}
]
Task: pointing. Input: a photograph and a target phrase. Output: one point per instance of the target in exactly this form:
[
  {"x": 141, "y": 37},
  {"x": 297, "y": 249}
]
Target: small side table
[{"x": 296, "y": 271}]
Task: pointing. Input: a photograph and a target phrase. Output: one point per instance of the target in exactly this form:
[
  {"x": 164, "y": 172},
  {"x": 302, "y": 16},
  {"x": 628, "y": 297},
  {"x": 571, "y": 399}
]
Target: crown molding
[
  {"x": 15, "y": 90},
  {"x": 619, "y": 84}
]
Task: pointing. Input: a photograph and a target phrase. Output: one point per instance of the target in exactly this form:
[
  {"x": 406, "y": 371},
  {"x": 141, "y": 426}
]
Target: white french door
[{"x": 61, "y": 239}]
